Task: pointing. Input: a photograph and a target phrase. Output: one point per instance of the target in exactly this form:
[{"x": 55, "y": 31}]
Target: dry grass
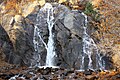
[
  {"x": 108, "y": 32},
  {"x": 15, "y": 6}
]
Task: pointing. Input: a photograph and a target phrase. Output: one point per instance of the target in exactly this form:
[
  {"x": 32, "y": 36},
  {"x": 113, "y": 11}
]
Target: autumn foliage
[
  {"x": 110, "y": 22},
  {"x": 16, "y": 5},
  {"x": 12, "y": 5}
]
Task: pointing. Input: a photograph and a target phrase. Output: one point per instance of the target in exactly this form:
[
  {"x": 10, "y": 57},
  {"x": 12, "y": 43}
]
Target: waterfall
[
  {"x": 50, "y": 44},
  {"x": 36, "y": 46},
  {"x": 90, "y": 56},
  {"x": 37, "y": 36},
  {"x": 90, "y": 48}
]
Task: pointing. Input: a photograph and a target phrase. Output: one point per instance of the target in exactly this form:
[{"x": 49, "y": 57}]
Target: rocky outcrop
[
  {"x": 4, "y": 44},
  {"x": 68, "y": 32},
  {"x": 68, "y": 36},
  {"x": 19, "y": 30},
  {"x": 69, "y": 39},
  {"x": 6, "y": 48},
  {"x": 19, "y": 33}
]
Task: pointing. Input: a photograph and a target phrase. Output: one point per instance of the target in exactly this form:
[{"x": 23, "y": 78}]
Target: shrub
[{"x": 89, "y": 10}]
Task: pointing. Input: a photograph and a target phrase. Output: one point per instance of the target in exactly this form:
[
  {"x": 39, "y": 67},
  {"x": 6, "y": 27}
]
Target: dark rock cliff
[{"x": 16, "y": 36}]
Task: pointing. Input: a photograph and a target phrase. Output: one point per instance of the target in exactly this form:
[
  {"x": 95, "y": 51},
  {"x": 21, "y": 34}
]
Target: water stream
[
  {"x": 90, "y": 48},
  {"x": 50, "y": 45}
]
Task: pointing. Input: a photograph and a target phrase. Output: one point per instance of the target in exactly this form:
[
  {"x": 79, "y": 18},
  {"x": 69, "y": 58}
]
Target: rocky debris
[
  {"x": 91, "y": 77},
  {"x": 24, "y": 73},
  {"x": 88, "y": 72}
]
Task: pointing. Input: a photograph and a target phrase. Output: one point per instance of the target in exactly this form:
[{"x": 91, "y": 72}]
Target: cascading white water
[
  {"x": 88, "y": 47},
  {"x": 36, "y": 56},
  {"x": 50, "y": 45},
  {"x": 46, "y": 15}
]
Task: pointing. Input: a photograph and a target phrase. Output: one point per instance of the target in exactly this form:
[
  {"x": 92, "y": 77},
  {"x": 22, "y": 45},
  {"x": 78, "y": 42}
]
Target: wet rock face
[
  {"x": 67, "y": 31},
  {"x": 68, "y": 38}
]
